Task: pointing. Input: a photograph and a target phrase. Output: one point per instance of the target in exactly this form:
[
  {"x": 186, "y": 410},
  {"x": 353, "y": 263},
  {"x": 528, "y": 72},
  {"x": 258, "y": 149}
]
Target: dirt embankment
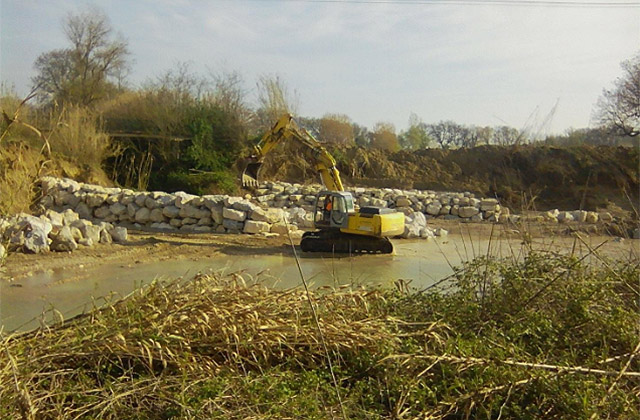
[{"x": 544, "y": 177}]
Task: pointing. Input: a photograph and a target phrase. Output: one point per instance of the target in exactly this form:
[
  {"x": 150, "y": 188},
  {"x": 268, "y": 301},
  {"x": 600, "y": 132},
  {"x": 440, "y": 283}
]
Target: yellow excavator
[{"x": 340, "y": 227}]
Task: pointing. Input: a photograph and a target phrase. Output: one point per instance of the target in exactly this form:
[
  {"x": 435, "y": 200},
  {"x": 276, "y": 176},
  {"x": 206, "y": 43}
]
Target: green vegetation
[{"x": 547, "y": 337}]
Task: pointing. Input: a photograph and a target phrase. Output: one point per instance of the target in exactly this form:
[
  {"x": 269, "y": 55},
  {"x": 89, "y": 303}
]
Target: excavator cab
[{"x": 332, "y": 209}]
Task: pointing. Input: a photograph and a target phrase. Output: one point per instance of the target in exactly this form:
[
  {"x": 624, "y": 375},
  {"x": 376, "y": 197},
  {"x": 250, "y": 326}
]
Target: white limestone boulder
[
  {"x": 234, "y": 215},
  {"x": 254, "y": 226}
]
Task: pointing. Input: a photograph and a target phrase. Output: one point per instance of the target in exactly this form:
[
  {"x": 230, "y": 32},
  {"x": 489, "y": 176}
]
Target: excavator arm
[{"x": 286, "y": 129}]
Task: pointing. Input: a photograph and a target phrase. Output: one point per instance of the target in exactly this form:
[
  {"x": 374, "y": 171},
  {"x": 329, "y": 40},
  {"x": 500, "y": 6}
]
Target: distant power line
[{"x": 528, "y": 3}]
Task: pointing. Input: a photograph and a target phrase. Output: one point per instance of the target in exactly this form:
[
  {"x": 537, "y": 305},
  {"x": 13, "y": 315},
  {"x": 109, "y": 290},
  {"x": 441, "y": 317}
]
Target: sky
[{"x": 535, "y": 64}]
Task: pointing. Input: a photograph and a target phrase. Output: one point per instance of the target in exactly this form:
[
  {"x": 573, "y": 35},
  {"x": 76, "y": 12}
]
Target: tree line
[{"x": 185, "y": 131}]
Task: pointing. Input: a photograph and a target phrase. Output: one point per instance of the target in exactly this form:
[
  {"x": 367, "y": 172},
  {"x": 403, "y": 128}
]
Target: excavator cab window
[{"x": 332, "y": 210}]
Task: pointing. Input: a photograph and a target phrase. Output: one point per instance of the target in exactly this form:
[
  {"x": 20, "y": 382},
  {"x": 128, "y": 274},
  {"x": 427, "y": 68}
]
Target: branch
[
  {"x": 10, "y": 121},
  {"x": 544, "y": 366}
]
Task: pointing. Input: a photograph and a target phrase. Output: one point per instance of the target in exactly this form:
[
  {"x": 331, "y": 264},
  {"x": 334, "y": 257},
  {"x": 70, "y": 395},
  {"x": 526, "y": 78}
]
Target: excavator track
[{"x": 335, "y": 241}]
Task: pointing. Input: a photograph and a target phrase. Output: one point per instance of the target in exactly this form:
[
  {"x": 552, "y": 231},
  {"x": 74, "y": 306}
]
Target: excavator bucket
[{"x": 250, "y": 175}]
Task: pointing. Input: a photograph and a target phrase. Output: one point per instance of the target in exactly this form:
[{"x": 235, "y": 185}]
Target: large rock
[
  {"x": 477, "y": 217},
  {"x": 468, "y": 211},
  {"x": 70, "y": 216},
  {"x": 152, "y": 203},
  {"x": 414, "y": 225},
  {"x": 402, "y": 201},
  {"x": 143, "y": 215},
  {"x": 102, "y": 212},
  {"x": 171, "y": 212},
  {"x": 193, "y": 212},
  {"x": 489, "y": 204},
  {"x": 55, "y": 218},
  {"x": 281, "y": 228},
  {"x": 88, "y": 230},
  {"x": 244, "y": 205},
  {"x": 127, "y": 198},
  {"x": 605, "y": 216},
  {"x": 269, "y": 215},
  {"x": 565, "y": 216},
  {"x": 30, "y": 233},
  {"x": 253, "y": 226},
  {"x": 105, "y": 238},
  {"x": 140, "y": 199},
  {"x": 580, "y": 216},
  {"x": 444, "y": 210},
  {"x": 434, "y": 208},
  {"x": 156, "y": 215},
  {"x": 232, "y": 226},
  {"x": 235, "y": 215},
  {"x": 64, "y": 241},
  {"x": 592, "y": 217},
  {"x": 95, "y": 200},
  {"x": 216, "y": 215},
  {"x": 551, "y": 215},
  {"x": 296, "y": 216},
  {"x": 118, "y": 209},
  {"x": 213, "y": 201},
  {"x": 48, "y": 184}
]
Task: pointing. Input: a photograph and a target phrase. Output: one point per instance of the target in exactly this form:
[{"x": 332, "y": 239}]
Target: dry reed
[{"x": 217, "y": 347}]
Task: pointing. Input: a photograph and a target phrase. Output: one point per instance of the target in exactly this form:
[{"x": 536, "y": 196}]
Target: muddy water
[{"x": 30, "y": 302}]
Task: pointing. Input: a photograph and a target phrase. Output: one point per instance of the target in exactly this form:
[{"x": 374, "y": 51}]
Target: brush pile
[{"x": 546, "y": 337}]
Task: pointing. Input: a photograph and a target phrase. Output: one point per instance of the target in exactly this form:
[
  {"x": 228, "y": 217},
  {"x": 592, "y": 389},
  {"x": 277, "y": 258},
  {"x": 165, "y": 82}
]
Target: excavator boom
[{"x": 287, "y": 129}]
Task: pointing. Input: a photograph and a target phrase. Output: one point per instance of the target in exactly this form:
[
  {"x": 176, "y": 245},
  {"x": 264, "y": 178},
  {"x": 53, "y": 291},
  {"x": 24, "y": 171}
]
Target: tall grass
[
  {"x": 77, "y": 135},
  {"x": 543, "y": 337},
  {"x": 20, "y": 166},
  {"x": 68, "y": 142}
]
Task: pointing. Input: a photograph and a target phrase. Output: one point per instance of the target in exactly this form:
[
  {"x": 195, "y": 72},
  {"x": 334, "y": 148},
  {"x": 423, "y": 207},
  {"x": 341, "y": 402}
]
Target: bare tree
[
  {"x": 93, "y": 66},
  {"x": 274, "y": 100},
  {"x": 619, "y": 108},
  {"x": 448, "y": 134},
  {"x": 230, "y": 95},
  {"x": 483, "y": 135},
  {"x": 506, "y": 136}
]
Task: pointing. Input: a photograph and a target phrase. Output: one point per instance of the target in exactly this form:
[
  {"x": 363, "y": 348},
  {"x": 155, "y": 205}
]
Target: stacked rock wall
[
  {"x": 69, "y": 207},
  {"x": 264, "y": 212},
  {"x": 170, "y": 212}
]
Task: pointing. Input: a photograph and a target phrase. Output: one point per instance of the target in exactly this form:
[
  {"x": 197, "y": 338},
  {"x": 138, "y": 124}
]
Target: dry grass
[
  {"x": 20, "y": 166},
  {"x": 73, "y": 145},
  {"x": 77, "y": 134},
  {"x": 546, "y": 337},
  {"x": 105, "y": 363}
]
